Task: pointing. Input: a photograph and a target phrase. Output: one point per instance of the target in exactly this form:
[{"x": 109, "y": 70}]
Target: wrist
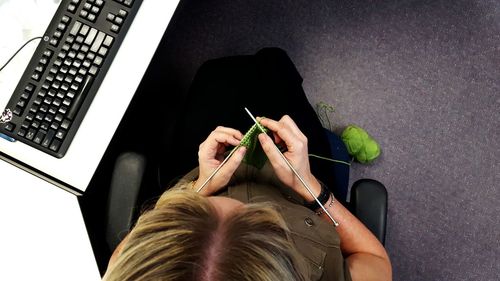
[
  {"x": 315, "y": 187},
  {"x": 196, "y": 184},
  {"x": 321, "y": 192}
]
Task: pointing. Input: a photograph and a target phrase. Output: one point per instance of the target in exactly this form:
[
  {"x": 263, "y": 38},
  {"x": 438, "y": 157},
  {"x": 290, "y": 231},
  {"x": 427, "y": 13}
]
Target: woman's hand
[
  {"x": 211, "y": 154},
  {"x": 286, "y": 132}
]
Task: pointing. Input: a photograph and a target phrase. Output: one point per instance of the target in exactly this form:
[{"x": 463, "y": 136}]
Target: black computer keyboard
[{"x": 65, "y": 72}]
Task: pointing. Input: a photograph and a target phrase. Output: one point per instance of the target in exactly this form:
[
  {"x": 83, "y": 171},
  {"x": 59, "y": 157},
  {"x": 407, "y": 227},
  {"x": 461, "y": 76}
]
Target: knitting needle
[
  {"x": 335, "y": 223},
  {"x": 217, "y": 169}
]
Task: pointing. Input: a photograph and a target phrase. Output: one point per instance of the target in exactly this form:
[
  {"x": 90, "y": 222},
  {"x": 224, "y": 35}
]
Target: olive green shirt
[{"x": 315, "y": 239}]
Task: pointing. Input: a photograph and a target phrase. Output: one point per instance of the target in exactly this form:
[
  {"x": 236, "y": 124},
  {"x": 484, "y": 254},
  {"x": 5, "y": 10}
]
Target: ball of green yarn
[{"x": 360, "y": 144}]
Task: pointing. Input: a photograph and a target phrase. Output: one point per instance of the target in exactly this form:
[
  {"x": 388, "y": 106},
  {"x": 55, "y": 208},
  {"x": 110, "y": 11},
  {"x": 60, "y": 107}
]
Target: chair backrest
[
  {"x": 369, "y": 204},
  {"x": 127, "y": 178}
]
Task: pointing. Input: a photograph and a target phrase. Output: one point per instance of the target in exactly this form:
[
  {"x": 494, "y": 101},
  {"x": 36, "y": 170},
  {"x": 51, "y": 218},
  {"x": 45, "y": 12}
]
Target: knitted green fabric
[{"x": 254, "y": 156}]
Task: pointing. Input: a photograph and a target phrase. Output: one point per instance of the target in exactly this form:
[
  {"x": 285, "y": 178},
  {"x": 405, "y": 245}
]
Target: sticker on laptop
[{"x": 6, "y": 116}]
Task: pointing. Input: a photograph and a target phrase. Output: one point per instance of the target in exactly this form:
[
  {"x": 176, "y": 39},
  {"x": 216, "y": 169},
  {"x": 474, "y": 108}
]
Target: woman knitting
[
  {"x": 250, "y": 230},
  {"x": 248, "y": 221}
]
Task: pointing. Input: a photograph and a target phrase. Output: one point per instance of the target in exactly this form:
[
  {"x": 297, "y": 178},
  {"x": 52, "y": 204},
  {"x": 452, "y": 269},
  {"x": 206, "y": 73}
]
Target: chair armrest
[
  {"x": 123, "y": 196},
  {"x": 369, "y": 204}
]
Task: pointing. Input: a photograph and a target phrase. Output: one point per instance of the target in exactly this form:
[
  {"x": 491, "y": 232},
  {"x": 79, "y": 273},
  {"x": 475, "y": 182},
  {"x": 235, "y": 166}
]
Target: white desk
[
  {"x": 43, "y": 235},
  {"x": 77, "y": 167}
]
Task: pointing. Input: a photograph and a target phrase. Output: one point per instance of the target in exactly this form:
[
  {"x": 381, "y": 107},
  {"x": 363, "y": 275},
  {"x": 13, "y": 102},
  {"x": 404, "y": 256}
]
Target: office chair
[{"x": 368, "y": 201}]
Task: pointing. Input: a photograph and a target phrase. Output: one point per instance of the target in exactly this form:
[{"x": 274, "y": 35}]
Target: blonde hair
[{"x": 183, "y": 238}]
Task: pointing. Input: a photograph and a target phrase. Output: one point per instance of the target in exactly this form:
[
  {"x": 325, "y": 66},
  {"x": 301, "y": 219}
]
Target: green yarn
[
  {"x": 254, "y": 156},
  {"x": 360, "y": 144},
  {"x": 323, "y": 111}
]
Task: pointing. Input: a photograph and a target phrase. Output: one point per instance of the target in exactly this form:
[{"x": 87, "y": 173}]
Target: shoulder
[{"x": 316, "y": 240}]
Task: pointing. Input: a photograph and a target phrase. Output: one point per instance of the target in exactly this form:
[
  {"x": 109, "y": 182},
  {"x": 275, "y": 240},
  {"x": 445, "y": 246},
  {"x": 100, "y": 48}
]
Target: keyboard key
[
  {"x": 21, "y": 132},
  {"x": 35, "y": 124},
  {"x": 65, "y": 124},
  {"x": 58, "y": 118},
  {"x": 30, "y": 116},
  {"x": 93, "y": 70},
  {"x": 54, "y": 126},
  {"x": 79, "y": 39},
  {"x": 25, "y": 95},
  {"x": 79, "y": 78},
  {"x": 98, "y": 41},
  {"x": 43, "y": 61},
  {"x": 60, "y": 134},
  {"x": 98, "y": 60},
  {"x": 91, "y": 36},
  {"x": 44, "y": 126},
  {"x": 63, "y": 110},
  {"x": 71, "y": 8},
  {"x": 76, "y": 28},
  {"x": 65, "y": 88},
  {"x": 61, "y": 26},
  {"x": 29, "y": 88},
  {"x": 55, "y": 145},
  {"x": 39, "y": 137},
  {"x": 84, "y": 30},
  {"x": 108, "y": 41},
  {"x": 118, "y": 20},
  {"x": 103, "y": 51},
  {"x": 48, "y": 138},
  {"x": 31, "y": 134},
  {"x": 110, "y": 17},
  {"x": 36, "y": 76},
  {"x": 81, "y": 54},
  {"x": 115, "y": 28},
  {"x": 9, "y": 127},
  {"x": 39, "y": 116},
  {"x": 17, "y": 111},
  {"x": 122, "y": 13},
  {"x": 47, "y": 53},
  {"x": 52, "y": 93},
  {"x": 54, "y": 42}
]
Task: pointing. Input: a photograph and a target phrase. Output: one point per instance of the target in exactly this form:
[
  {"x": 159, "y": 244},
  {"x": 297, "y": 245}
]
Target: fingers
[
  {"x": 218, "y": 139},
  {"x": 287, "y": 130},
  {"x": 270, "y": 150},
  {"x": 232, "y": 164},
  {"x": 226, "y": 135}
]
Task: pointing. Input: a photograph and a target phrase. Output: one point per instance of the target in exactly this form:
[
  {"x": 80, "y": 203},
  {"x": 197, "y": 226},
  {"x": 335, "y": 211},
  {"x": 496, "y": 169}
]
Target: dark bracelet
[{"x": 323, "y": 197}]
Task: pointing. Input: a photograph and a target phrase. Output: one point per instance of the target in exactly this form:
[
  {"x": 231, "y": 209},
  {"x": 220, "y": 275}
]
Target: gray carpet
[{"x": 423, "y": 77}]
